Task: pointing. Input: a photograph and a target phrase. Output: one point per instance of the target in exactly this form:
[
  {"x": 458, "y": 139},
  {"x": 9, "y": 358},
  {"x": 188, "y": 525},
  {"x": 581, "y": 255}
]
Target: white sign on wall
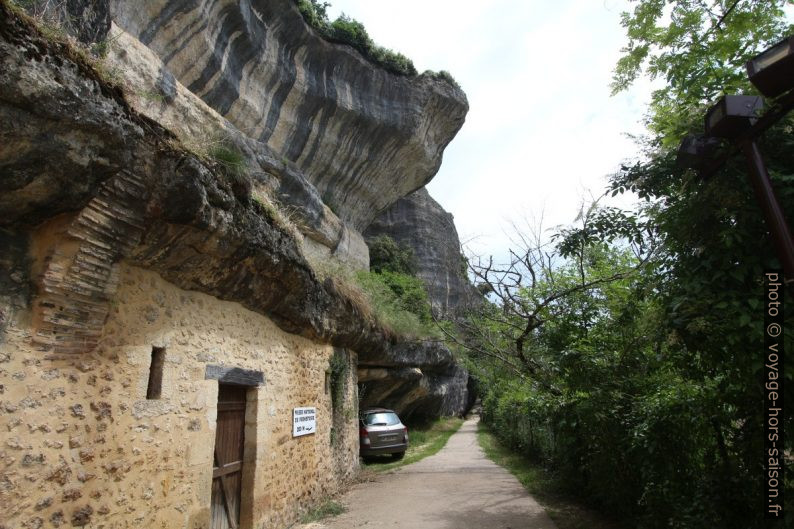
[{"x": 304, "y": 421}]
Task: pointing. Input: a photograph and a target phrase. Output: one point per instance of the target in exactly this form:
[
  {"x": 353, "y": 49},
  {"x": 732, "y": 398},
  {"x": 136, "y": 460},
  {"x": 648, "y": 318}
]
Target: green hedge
[{"x": 648, "y": 453}]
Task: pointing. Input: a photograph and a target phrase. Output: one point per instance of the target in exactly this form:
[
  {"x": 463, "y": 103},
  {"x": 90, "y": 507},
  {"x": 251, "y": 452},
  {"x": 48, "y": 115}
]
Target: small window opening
[
  {"x": 327, "y": 382},
  {"x": 155, "y": 388}
]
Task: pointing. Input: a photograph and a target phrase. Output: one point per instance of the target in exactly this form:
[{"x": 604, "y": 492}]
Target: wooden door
[{"x": 227, "y": 471}]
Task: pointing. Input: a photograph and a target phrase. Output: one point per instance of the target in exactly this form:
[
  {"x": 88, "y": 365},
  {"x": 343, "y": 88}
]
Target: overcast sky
[{"x": 542, "y": 131}]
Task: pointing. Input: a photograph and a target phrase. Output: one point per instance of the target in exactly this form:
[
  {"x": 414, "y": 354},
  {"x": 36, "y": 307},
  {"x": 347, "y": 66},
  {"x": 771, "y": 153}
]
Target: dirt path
[{"x": 458, "y": 488}]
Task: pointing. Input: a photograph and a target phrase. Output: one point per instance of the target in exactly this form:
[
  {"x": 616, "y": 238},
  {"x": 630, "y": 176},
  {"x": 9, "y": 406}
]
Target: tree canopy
[
  {"x": 627, "y": 353},
  {"x": 698, "y": 48}
]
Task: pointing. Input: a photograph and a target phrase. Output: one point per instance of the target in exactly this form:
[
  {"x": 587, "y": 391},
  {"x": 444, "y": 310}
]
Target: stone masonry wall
[{"x": 83, "y": 447}]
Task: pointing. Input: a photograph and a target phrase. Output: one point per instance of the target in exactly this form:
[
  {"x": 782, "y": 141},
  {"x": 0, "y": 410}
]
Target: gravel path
[{"x": 458, "y": 488}]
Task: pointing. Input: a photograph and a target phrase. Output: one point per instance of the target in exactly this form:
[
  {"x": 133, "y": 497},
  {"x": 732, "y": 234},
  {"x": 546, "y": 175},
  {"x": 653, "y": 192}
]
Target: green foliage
[
  {"x": 399, "y": 302},
  {"x": 700, "y": 52},
  {"x": 709, "y": 293},
  {"x": 314, "y": 12},
  {"x": 385, "y": 255},
  {"x": 394, "y": 288},
  {"x": 623, "y": 427},
  {"x": 444, "y": 75},
  {"x": 338, "y": 368},
  {"x": 234, "y": 167},
  {"x": 230, "y": 159},
  {"x": 604, "y": 224},
  {"x": 709, "y": 287},
  {"x": 645, "y": 396},
  {"x": 346, "y": 30},
  {"x": 410, "y": 292},
  {"x": 326, "y": 509}
]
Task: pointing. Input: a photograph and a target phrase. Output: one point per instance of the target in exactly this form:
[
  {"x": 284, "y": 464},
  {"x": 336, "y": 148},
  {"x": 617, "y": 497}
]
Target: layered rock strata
[
  {"x": 418, "y": 222},
  {"x": 437, "y": 385},
  {"x": 419, "y": 380},
  {"x": 364, "y": 137},
  {"x": 174, "y": 212},
  {"x": 110, "y": 184},
  {"x": 125, "y": 176}
]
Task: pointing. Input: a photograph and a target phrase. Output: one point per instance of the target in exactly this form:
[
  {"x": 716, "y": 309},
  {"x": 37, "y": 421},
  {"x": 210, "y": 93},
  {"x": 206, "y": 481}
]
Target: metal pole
[{"x": 775, "y": 219}]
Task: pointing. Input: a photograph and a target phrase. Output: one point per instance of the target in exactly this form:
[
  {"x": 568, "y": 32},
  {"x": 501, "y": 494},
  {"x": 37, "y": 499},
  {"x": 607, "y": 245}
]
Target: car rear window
[{"x": 381, "y": 419}]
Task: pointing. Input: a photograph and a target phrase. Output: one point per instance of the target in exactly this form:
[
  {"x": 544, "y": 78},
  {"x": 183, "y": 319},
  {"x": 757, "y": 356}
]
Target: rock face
[
  {"x": 112, "y": 235},
  {"x": 430, "y": 382},
  {"x": 420, "y": 223},
  {"x": 418, "y": 380},
  {"x": 119, "y": 189},
  {"x": 113, "y": 176},
  {"x": 364, "y": 137}
]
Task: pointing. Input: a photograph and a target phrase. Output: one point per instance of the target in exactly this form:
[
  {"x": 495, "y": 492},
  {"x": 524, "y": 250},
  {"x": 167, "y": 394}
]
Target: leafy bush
[
  {"x": 348, "y": 31},
  {"x": 410, "y": 292},
  {"x": 386, "y": 255},
  {"x": 394, "y": 266},
  {"x": 399, "y": 302},
  {"x": 314, "y": 12},
  {"x": 444, "y": 75},
  {"x": 625, "y": 417},
  {"x": 652, "y": 457},
  {"x": 345, "y": 29}
]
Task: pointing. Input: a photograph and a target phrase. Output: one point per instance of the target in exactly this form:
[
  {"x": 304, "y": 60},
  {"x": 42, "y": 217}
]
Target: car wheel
[{"x": 398, "y": 455}]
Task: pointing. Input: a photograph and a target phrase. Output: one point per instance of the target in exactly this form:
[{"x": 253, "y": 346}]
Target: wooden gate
[{"x": 227, "y": 471}]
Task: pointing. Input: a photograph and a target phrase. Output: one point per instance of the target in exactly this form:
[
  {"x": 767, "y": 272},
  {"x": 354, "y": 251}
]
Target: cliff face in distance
[
  {"x": 125, "y": 171},
  {"x": 420, "y": 223}
]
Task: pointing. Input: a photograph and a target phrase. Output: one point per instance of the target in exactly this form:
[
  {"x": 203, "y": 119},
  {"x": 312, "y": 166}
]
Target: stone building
[{"x": 180, "y": 387}]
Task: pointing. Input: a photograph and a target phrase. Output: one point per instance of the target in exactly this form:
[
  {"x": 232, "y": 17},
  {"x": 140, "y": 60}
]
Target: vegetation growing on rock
[
  {"x": 385, "y": 255},
  {"x": 352, "y": 32},
  {"x": 400, "y": 302},
  {"x": 394, "y": 266},
  {"x": 397, "y": 302},
  {"x": 349, "y": 31}
]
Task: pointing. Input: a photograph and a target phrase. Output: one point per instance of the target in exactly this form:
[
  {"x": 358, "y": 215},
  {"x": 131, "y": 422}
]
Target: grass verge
[
  {"x": 424, "y": 441},
  {"x": 325, "y": 510},
  {"x": 566, "y": 512}
]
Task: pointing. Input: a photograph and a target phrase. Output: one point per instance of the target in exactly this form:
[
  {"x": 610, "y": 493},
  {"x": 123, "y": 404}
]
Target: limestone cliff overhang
[
  {"x": 90, "y": 182},
  {"x": 363, "y": 136}
]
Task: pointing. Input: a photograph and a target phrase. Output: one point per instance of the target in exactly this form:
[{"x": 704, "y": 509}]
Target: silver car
[{"x": 382, "y": 432}]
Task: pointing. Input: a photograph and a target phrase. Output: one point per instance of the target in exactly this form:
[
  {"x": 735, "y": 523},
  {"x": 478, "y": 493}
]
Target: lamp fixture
[
  {"x": 772, "y": 71},
  {"x": 697, "y": 152},
  {"x": 732, "y": 115}
]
